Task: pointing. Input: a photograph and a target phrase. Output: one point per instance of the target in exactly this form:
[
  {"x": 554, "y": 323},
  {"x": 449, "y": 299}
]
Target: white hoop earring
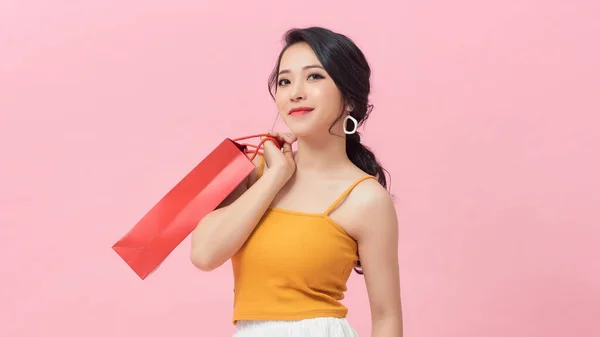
[{"x": 353, "y": 131}]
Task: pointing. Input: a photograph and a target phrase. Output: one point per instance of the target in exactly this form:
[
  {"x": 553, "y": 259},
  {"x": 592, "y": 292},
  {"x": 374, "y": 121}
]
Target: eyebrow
[{"x": 304, "y": 68}]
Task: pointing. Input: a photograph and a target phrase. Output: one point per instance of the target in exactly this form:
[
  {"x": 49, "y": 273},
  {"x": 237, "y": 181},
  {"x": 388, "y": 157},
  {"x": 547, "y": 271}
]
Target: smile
[{"x": 300, "y": 111}]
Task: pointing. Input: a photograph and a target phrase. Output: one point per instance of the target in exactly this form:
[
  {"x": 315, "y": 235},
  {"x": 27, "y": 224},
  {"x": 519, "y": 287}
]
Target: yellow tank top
[{"x": 294, "y": 266}]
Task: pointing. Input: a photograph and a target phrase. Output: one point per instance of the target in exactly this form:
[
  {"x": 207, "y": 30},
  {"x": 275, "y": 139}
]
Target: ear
[{"x": 349, "y": 107}]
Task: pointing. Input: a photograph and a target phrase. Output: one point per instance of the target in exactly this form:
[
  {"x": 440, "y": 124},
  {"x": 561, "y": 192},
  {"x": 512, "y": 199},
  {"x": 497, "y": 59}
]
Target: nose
[{"x": 297, "y": 93}]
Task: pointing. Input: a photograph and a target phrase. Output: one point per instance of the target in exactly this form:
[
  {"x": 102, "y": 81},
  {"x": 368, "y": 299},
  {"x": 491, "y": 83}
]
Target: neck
[{"x": 321, "y": 155}]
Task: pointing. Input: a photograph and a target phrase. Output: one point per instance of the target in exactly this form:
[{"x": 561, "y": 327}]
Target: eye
[
  {"x": 282, "y": 82},
  {"x": 315, "y": 77}
]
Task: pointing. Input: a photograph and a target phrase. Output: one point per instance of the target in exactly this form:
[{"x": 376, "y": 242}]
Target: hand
[{"x": 280, "y": 161}]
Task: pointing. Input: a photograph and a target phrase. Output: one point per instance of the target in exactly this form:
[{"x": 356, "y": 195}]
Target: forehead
[{"x": 297, "y": 56}]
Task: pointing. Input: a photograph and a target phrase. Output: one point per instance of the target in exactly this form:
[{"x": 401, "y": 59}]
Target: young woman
[{"x": 303, "y": 221}]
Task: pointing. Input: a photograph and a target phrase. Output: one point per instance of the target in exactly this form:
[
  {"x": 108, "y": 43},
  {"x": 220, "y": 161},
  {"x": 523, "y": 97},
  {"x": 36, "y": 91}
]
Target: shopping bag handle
[{"x": 264, "y": 137}]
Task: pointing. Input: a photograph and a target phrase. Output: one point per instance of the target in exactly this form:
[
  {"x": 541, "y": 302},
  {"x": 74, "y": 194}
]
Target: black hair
[{"x": 350, "y": 71}]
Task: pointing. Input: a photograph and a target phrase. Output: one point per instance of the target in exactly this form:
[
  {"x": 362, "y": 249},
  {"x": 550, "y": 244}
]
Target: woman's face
[{"x": 304, "y": 84}]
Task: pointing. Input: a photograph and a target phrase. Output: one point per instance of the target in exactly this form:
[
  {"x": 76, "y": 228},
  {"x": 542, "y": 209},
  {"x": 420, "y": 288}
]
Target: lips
[{"x": 300, "y": 111}]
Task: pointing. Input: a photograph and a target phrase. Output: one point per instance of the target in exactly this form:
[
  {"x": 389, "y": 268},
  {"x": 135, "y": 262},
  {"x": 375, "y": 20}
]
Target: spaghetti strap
[
  {"x": 346, "y": 192},
  {"x": 261, "y": 166}
]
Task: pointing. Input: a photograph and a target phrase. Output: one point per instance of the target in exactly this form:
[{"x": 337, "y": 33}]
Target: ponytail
[{"x": 364, "y": 158}]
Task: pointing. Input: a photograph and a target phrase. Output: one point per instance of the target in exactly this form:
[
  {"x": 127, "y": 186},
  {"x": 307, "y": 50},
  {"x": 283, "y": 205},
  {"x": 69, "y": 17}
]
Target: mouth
[{"x": 300, "y": 111}]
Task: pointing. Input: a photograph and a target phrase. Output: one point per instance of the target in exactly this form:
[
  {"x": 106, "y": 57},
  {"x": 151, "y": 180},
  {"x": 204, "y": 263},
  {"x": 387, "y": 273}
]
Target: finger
[
  {"x": 268, "y": 144},
  {"x": 280, "y": 137},
  {"x": 289, "y": 138},
  {"x": 287, "y": 150},
  {"x": 269, "y": 133}
]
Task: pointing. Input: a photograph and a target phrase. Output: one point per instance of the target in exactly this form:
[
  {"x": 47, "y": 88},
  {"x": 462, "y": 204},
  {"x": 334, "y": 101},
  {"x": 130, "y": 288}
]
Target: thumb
[{"x": 287, "y": 150}]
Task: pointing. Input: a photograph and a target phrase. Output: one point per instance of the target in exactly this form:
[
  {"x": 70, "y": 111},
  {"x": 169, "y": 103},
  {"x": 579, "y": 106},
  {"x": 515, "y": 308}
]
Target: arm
[
  {"x": 378, "y": 247},
  {"x": 221, "y": 233}
]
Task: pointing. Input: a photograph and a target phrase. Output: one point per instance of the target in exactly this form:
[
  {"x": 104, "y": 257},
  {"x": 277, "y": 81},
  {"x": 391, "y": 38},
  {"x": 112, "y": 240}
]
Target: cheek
[
  {"x": 330, "y": 99},
  {"x": 322, "y": 95},
  {"x": 280, "y": 102}
]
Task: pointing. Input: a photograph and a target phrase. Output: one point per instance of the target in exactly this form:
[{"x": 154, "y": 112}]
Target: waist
[
  {"x": 286, "y": 302},
  {"x": 291, "y": 313},
  {"x": 318, "y": 326},
  {"x": 272, "y": 307}
]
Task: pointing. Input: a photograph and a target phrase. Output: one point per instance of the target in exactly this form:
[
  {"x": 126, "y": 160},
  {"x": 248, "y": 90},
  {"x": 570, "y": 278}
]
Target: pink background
[{"x": 486, "y": 114}]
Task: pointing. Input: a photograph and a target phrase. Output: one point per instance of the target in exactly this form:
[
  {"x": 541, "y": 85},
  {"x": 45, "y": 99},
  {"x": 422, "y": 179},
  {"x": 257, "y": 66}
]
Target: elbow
[
  {"x": 203, "y": 261},
  {"x": 205, "y": 254},
  {"x": 201, "y": 256}
]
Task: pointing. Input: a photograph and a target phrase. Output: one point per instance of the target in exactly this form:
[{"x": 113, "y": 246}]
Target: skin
[
  {"x": 368, "y": 213},
  {"x": 310, "y": 180}
]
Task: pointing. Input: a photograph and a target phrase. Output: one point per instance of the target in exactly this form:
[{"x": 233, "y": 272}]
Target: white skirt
[{"x": 312, "y": 327}]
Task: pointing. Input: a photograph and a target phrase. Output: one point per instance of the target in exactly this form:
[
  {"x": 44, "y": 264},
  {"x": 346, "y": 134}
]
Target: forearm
[{"x": 221, "y": 233}]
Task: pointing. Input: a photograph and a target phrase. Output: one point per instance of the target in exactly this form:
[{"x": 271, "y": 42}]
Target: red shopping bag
[{"x": 177, "y": 214}]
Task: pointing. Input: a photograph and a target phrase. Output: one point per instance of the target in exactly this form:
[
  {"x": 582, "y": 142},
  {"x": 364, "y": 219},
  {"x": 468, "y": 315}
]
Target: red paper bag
[{"x": 177, "y": 214}]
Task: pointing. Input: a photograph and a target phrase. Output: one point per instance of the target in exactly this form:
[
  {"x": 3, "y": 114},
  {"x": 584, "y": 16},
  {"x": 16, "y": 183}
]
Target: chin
[
  {"x": 302, "y": 130},
  {"x": 307, "y": 127},
  {"x": 308, "y": 133}
]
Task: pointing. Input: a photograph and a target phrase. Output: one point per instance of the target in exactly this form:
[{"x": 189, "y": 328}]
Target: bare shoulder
[
  {"x": 369, "y": 193},
  {"x": 368, "y": 206}
]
